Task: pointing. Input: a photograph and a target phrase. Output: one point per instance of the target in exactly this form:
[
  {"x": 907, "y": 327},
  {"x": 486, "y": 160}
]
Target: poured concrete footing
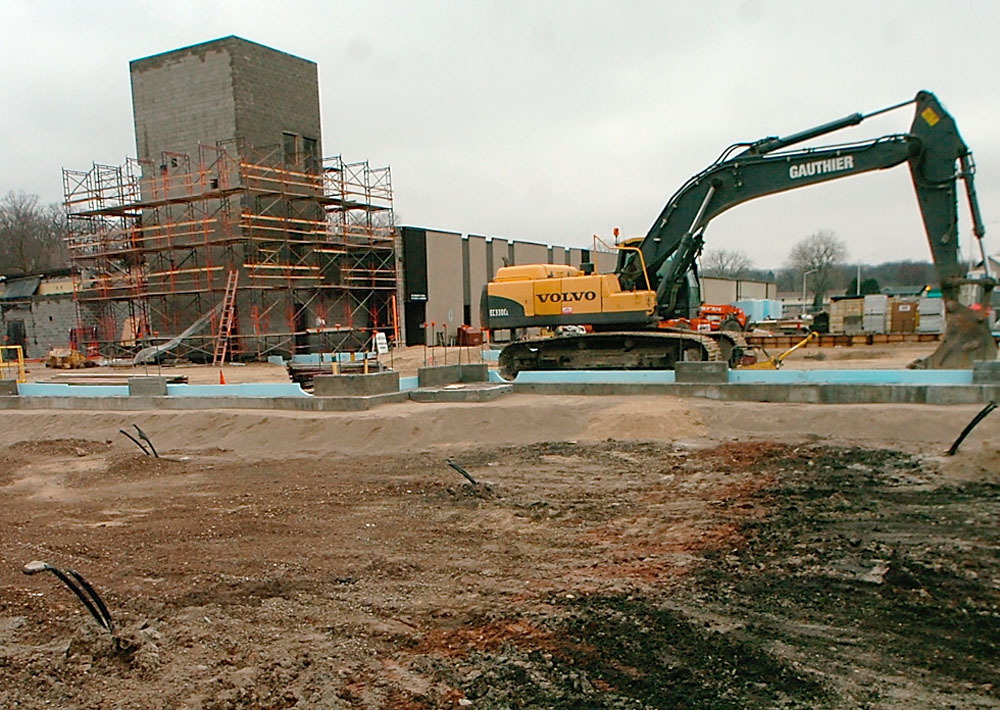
[
  {"x": 800, "y": 393},
  {"x": 986, "y": 372},
  {"x": 461, "y": 393},
  {"x": 293, "y": 404},
  {"x": 374, "y": 383},
  {"x": 438, "y": 375},
  {"x": 147, "y": 387},
  {"x": 701, "y": 372}
]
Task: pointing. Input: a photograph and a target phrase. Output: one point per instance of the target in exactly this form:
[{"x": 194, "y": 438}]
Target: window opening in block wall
[
  {"x": 289, "y": 141},
  {"x": 310, "y": 147}
]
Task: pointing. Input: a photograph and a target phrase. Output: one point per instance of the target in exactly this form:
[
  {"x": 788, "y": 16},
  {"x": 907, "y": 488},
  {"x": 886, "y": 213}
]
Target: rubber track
[{"x": 708, "y": 343}]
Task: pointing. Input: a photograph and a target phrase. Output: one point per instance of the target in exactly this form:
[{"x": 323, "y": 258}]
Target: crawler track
[
  {"x": 732, "y": 345},
  {"x": 608, "y": 351}
]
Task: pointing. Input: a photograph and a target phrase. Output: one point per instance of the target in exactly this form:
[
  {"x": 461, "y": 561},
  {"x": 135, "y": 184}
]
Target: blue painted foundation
[
  {"x": 613, "y": 377},
  {"x": 256, "y": 389},
  {"x": 772, "y": 377},
  {"x": 260, "y": 389}
]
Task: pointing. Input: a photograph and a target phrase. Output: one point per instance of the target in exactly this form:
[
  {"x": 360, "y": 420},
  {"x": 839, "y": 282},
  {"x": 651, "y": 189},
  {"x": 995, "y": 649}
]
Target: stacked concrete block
[
  {"x": 220, "y": 91},
  {"x": 875, "y": 315},
  {"x": 930, "y": 315}
]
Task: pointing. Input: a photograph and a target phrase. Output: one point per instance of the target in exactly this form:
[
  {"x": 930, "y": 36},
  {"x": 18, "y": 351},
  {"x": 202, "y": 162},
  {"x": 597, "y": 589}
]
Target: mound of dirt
[{"x": 57, "y": 447}]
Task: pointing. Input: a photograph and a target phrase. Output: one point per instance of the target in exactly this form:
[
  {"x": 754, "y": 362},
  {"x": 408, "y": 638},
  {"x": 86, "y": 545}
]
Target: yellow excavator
[{"x": 625, "y": 315}]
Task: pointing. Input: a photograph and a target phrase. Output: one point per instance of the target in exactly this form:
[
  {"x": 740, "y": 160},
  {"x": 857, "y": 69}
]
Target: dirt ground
[
  {"x": 407, "y": 360},
  {"x": 636, "y": 552}
]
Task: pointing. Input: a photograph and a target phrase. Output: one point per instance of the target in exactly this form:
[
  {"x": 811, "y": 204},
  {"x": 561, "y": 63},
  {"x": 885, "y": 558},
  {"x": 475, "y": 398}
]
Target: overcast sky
[{"x": 546, "y": 121}]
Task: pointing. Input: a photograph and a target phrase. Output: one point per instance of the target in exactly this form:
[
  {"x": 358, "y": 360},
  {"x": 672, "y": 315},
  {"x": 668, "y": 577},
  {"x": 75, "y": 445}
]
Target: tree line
[
  {"x": 821, "y": 260},
  {"x": 32, "y": 235}
]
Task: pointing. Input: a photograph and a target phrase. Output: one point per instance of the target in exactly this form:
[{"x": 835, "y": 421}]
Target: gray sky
[{"x": 546, "y": 121}]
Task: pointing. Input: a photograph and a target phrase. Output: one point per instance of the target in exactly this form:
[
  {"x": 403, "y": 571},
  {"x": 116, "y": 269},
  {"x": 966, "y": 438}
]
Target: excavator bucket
[{"x": 967, "y": 338}]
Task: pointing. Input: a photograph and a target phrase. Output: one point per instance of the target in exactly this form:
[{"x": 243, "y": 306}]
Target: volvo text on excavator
[{"x": 625, "y": 312}]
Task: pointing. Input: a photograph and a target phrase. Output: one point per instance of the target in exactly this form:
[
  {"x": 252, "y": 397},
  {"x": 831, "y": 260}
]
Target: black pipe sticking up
[
  {"x": 145, "y": 438},
  {"x": 462, "y": 471},
  {"x": 142, "y": 435},
  {"x": 81, "y": 588},
  {"x": 136, "y": 442},
  {"x": 970, "y": 426}
]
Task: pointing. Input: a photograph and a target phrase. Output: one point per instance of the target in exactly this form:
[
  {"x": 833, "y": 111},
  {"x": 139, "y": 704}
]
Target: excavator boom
[
  {"x": 937, "y": 157},
  {"x": 663, "y": 266}
]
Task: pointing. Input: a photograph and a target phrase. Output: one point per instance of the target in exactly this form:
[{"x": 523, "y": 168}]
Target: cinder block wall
[
  {"x": 274, "y": 93},
  {"x": 183, "y": 98},
  {"x": 47, "y": 322},
  {"x": 222, "y": 90}
]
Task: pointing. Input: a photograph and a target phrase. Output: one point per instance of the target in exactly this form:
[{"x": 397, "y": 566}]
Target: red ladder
[{"x": 226, "y": 323}]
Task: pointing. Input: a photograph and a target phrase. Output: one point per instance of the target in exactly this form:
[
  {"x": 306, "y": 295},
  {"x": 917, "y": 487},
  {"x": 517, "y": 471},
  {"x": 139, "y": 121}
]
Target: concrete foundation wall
[
  {"x": 447, "y": 374},
  {"x": 147, "y": 387},
  {"x": 356, "y": 385}
]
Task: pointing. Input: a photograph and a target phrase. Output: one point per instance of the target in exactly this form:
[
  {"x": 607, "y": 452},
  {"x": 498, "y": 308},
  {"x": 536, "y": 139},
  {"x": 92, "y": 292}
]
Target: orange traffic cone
[{"x": 222, "y": 378}]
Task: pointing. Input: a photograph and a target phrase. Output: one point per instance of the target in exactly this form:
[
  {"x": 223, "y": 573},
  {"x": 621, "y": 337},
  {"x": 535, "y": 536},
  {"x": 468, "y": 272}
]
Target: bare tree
[
  {"x": 820, "y": 253},
  {"x": 725, "y": 263},
  {"x": 32, "y": 235}
]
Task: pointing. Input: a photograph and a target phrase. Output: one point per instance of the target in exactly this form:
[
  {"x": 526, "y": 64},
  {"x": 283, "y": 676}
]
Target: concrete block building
[
  {"x": 229, "y": 192},
  {"x": 38, "y": 312}
]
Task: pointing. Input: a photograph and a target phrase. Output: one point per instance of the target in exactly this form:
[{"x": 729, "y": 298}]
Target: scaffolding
[{"x": 153, "y": 244}]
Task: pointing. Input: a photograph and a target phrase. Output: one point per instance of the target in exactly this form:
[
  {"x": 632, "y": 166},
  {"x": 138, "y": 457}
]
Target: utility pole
[{"x": 804, "y": 274}]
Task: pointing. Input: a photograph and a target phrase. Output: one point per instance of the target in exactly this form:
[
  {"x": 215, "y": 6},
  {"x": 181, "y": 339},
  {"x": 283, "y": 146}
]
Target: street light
[{"x": 811, "y": 271}]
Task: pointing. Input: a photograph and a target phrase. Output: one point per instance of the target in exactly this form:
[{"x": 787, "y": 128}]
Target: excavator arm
[
  {"x": 933, "y": 149},
  {"x": 937, "y": 158},
  {"x": 670, "y": 248}
]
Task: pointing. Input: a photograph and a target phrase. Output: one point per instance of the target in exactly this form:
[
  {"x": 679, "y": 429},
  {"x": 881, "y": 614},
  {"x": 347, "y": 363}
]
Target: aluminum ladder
[{"x": 226, "y": 323}]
